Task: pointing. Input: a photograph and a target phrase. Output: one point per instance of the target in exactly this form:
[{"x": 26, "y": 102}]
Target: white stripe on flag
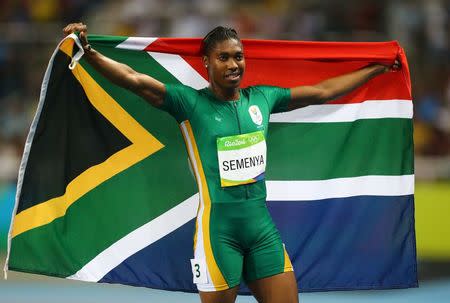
[
  {"x": 340, "y": 188},
  {"x": 156, "y": 229},
  {"x": 138, "y": 239},
  {"x": 174, "y": 64},
  {"x": 136, "y": 43},
  {"x": 369, "y": 109},
  {"x": 180, "y": 69}
]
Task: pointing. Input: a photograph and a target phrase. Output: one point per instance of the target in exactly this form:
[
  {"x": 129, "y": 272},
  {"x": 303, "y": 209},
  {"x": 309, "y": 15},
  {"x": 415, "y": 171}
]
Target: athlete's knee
[{"x": 222, "y": 296}]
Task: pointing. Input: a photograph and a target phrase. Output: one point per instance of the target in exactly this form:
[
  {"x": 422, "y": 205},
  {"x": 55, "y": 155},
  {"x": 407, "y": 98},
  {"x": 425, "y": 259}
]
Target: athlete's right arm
[{"x": 120, "y": 74}]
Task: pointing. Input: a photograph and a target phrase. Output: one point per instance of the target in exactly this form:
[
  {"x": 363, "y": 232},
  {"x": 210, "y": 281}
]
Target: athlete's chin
[{"x": 233, "y": 83}]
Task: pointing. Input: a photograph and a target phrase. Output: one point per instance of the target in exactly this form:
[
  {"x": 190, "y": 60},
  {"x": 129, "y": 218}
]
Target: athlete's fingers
[
  {"x": 83, "y": 38},
  {"x": 394, "y": 67},
  {"x": 77, "y": 27},
  {"x": 74, "y": 27}
]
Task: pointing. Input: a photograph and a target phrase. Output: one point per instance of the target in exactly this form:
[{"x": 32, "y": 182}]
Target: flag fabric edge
[{"x": 30, "y": 136}]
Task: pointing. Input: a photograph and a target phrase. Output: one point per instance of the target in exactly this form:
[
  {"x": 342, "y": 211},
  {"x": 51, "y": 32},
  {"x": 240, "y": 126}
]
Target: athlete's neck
[{"x": 231, "y": 94}]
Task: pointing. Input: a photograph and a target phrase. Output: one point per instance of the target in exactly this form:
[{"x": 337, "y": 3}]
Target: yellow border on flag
[{"x": 143, "y": 145}]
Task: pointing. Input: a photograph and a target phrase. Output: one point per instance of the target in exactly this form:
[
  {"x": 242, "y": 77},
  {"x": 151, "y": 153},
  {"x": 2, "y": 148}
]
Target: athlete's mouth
[{"x": 233, "y": 76}]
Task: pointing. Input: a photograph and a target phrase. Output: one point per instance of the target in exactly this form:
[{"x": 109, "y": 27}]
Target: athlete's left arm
[{"x": 336, "y": 87}]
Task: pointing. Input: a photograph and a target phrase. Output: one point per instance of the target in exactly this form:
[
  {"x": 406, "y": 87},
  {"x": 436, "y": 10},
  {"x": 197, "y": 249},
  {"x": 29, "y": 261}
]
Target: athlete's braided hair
[{"x": 218, "y": 34}]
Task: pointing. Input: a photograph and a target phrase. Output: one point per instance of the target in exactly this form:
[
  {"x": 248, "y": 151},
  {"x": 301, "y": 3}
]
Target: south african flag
[{"x": 105, "y": 193}]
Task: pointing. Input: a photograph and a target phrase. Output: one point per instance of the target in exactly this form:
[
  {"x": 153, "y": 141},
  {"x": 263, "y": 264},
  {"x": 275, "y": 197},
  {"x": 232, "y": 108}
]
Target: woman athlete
[{"x": 224, "y": 127}]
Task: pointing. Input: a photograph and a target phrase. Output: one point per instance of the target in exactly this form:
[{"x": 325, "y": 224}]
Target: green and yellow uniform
[{"x": 235, "y": 237}]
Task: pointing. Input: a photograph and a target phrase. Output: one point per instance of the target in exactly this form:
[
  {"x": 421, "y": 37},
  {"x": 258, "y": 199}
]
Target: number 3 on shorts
[{"x": 199, "y": 271}]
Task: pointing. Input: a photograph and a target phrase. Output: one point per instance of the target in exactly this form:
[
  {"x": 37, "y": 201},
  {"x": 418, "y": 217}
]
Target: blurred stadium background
[{"x": 29, "y": 31}]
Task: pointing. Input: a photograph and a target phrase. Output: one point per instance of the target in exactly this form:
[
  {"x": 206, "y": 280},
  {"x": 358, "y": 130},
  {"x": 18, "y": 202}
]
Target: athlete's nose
[{"x": 232, "y": 64}]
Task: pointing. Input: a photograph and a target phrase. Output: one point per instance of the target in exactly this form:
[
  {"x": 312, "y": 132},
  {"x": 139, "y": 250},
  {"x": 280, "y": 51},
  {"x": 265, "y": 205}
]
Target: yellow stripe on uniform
[
  {"x": 143, "y": 145},
  {"x": 205, "y": 201},
  {"x": 287, "y": 262}
]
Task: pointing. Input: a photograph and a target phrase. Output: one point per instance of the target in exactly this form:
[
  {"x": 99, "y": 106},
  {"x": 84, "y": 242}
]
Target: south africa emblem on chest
[{"x": 255, "y": 114}]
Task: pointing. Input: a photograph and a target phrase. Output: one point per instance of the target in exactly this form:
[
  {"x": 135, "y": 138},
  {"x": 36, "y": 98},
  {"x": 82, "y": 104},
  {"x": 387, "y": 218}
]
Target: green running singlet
[{"x": 235, "y": 236}]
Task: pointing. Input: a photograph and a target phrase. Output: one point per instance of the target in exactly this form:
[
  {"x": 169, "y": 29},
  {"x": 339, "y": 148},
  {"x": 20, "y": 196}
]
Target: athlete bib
[{"x": 242, "y": 158}]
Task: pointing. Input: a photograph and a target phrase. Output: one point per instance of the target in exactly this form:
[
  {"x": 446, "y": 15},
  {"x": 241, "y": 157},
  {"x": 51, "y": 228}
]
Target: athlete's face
[{"x": 225, "y": 64}]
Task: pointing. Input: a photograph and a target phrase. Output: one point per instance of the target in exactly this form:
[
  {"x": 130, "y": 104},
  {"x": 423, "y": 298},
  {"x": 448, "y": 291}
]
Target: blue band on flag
[{"x": 344, "y": 244}]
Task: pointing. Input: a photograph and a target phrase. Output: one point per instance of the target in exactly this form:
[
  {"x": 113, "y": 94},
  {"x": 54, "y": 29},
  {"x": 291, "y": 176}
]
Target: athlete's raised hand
[
  {"x": 120, "y": 74},
  {"x": 396, "y": 66},
  {"x": 391, "y": 67},
  {"x": 77, "y": 27}
]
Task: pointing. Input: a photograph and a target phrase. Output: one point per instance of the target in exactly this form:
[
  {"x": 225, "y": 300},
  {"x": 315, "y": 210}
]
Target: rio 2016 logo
[{"x": 253, "y": 139}]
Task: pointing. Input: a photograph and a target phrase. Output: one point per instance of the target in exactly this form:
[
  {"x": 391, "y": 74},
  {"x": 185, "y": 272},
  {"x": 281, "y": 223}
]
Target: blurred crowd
[{"x": 30, "y": 30}]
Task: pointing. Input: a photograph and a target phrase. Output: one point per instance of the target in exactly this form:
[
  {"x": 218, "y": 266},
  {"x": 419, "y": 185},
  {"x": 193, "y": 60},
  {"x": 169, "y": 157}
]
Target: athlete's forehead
[{"x": 228, "y": 46}]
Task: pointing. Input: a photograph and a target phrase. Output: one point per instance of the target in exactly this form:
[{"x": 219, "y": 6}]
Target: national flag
[{"x": 105, "y": 193}]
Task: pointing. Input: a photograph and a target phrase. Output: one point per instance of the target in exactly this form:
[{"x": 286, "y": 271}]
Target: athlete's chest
[{"x": 247, "y": 115}]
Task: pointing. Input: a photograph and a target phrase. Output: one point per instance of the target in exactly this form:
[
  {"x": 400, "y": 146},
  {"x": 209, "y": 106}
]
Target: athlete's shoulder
[
  {"x": 180, "y": 100},
  {"x": 266, "y": 87},
  {"x": 179, "y": 87},
  {"x": 262, "y": 88},
  {"x": 277, "y": 97}
]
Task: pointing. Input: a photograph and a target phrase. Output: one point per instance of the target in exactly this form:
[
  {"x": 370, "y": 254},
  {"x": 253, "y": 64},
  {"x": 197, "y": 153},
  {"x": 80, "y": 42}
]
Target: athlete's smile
[{"x": 234, "y": 75}]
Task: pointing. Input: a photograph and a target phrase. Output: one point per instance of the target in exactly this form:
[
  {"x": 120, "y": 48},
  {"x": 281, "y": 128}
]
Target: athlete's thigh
[
  {"x": 277, "y": 288},
  {"x": 222, "y": 296}
]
